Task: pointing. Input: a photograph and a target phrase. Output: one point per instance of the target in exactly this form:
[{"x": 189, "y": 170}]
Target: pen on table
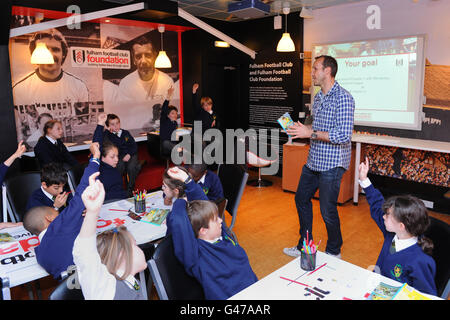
[
  {"x": 303, "y": 284},
  {"x": 316, "y": 269}
]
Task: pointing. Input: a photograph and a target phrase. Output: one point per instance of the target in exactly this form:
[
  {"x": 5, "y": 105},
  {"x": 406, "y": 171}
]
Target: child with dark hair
[
  {"x": 51, "y": 193},
  {"x": 57, "y": 231},
  {"x": 202, "y": 243},
  {"x": 168, "y": 124},
  {"x": 208, "y": 180},
  {"x": 403, "y": 220},
  {"x": 126, "y": 145},
  {"x": 110, "y": 176}
]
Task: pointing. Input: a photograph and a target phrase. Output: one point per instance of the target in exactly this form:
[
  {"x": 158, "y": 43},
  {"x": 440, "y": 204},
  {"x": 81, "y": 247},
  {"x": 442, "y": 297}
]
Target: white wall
[{"x": 398, "y": 17}]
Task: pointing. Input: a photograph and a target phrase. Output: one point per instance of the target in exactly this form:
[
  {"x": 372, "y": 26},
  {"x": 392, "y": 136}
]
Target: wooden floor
[{"x": 267, "y": 222}]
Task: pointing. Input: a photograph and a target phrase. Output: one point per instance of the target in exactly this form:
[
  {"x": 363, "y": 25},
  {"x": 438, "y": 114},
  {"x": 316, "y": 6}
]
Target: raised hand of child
[
  {"x": 194, "y": 88},
  {"x": 178, "y": 174},
  {"x": 93, "y": 196},
  {"x": 61, "y": 199},
  {"x": 170, "y": 92},
  {"x": 102, "y": 119},
  {"x": 20, "y": 149},
  {"x": 95, "y": 149},
  {"x": 363, "y": 169}
]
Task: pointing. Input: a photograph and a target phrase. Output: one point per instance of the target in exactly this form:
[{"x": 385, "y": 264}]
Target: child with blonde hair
[{"x": 106, "y": 263}]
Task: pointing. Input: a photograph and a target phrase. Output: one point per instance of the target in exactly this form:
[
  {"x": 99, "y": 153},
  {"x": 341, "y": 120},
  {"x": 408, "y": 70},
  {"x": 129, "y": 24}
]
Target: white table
[
  {"x": 404, "y": 143},
  {"x": 335, "y": 280},
  {"x": 18, "y": 264}
]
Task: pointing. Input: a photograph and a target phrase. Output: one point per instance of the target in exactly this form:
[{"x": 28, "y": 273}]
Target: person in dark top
[
  {"x": 50, "y": 147},
  {"x": 203, "y": 245},
  {"x": 168, "y": 124},
  {"x": 126, "y": 145},
  {"x": 208, "y": 180},
  {"x": 51, "y": 193},
  {"x": 110, "y": 176},
  {"x": 203, "y": 111}
]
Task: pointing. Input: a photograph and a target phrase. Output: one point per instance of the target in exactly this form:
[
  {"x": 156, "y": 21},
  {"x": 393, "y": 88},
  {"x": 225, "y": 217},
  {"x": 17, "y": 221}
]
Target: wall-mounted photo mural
[{"x": 99, "y": 68}]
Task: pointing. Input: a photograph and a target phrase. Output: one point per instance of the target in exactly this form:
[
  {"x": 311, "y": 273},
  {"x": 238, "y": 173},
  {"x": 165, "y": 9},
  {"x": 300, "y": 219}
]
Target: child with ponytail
[{"x": 405, "y": 255}]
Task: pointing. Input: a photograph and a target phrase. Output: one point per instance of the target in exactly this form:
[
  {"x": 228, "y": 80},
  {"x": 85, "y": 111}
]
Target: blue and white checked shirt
[{"x": 332, "y": 113}]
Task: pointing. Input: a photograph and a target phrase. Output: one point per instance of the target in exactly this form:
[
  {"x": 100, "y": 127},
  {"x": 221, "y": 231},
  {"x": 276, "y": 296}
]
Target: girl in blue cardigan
[{"x": 405, "y": 255}]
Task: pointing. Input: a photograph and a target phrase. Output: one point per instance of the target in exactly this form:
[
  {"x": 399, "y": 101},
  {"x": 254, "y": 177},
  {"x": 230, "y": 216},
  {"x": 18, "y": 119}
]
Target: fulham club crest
[{"x": 78, "y": 56}]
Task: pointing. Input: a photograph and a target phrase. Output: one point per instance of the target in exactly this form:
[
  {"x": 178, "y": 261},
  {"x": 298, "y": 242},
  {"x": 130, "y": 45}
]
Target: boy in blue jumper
[
  {"x": 402, "y": 220},
  {"x": 51, "y": 193},
  {"x": 208, "y": 181},
  {"x": 57, "y": 231},
  {"x": 125, "y": 143},
  {"x": 202, "y": 244}
]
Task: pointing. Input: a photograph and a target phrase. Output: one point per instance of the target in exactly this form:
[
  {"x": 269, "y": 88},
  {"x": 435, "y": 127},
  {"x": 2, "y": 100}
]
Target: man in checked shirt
[{"x": 329, "y": 154}]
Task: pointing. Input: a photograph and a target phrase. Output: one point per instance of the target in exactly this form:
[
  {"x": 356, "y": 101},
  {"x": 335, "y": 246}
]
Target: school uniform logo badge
[{"x": 397, "y": 272}]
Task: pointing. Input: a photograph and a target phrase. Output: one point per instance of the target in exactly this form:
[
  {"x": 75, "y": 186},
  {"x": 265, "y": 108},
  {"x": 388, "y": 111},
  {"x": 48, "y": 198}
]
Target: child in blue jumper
[
  {"x": 51, "y": 193},
  {"x": 208, "y": 180},
  {"x": 402, "y": 220},
  {"x": 168, "y": 124},
  {"x": 110, "y": 176},
  {"x": 126, "y": 145},
  {"x": 57, "y": 231},
  {"x": 202, "y": 244}
]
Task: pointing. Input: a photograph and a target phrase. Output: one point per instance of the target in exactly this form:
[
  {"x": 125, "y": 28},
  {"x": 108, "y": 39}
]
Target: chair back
[
  {"x": 221, "y": 205},
  {"x": 75, "y": 174},
  {"x": 169, "y": 276},
  {"x": 233, "y": 178},
  {"x": 439, "y": 233},
  {"x": 67, "y": 290},
  {"x": 18, "y": 190}
]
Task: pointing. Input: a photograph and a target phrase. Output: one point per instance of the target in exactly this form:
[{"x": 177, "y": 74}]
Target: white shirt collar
[
  {"x": 53, "y": 141},
  {"x": 130, "y": 280},
  {"x": 401, "y": 244},
  {"x": 47, "y": 194},
  {"x": 41, "y": 235},
  {"x": 202, "y": 179},
  {"x": 119, "y": 133},
  {"x": 213, "y": 241}
]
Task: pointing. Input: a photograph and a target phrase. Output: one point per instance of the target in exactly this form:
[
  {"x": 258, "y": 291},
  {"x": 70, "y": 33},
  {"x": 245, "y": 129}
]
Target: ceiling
[{"x": 218, "y": 9}]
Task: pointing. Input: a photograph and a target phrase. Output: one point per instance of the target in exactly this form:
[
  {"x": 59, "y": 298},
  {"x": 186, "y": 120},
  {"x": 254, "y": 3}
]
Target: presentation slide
[{"x": 384, "y": 76}]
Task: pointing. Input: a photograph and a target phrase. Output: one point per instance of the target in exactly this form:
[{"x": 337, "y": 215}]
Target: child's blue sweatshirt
[
  {"x": 54, "y": 253},
  {"x": 410, "y": 265},
  {"x": 38, "y": 198},
  {"x": 125, "y": 143},
  {"x": 112, "y": 182},
  {"x": 222, "y": 268},
  {"x": 110, "y": 176},
  {"x": 167, "y": 126},
  {"x": 212, "y": 186}
]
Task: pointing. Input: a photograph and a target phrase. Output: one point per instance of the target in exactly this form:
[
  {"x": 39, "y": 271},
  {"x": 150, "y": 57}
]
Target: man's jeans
[{"x": 328, "y": 182}]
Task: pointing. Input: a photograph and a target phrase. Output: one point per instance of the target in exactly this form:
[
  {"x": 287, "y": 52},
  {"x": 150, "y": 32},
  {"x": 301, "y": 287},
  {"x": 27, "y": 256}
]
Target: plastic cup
[
  {"x": 139, "y": 205},
  {"x": 307, "y": 261}
]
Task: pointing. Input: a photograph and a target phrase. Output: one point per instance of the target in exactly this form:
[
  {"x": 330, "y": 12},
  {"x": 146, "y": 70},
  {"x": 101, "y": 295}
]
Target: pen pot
[
  {"x": 139, "y": 205},
  {"x": 308, "y": 261}
]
